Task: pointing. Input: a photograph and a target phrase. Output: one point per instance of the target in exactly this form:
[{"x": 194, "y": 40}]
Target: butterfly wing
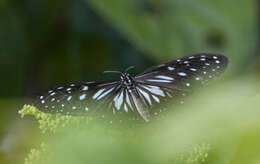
[
  {"x": 102, "y": 99},
  {"x": 172, "y": 79},
  {"x": 76, "y": 99},
  {"x": 177, "y": 78}
]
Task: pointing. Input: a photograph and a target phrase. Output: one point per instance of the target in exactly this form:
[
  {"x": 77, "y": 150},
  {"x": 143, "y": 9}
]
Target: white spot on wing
[
  {"x": 193, "y": 69},
  {"x": 105, "y": 93},
  {"x": 154, "y": 89},
  {"x": 164, "y": 77},
  {"x": 171, "y": 68},
  {"x": 85, "y": 88},
  {"x": 146, "y": 95},
  {"x": 215, "y": 57},
  {"x": 119, "y": 100},
  {"x": 156, "y": 98},
  {"x": 128, "y": 100},
  {"x": 69, "y": 98},
  {"x": 182, "y": 74},
  {"x": 82, "y": 97},
  {"x": 53, "y": 93},
  {"x": 98, "y": 93},
  {"x": 217, "y": 61}
]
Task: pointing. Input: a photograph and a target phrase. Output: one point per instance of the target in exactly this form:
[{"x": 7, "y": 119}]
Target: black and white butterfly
[{"x": 137, "y": 95}]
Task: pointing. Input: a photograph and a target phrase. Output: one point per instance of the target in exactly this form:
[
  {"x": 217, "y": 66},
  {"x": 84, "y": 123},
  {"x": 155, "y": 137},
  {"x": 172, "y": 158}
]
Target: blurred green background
[{"x": 46, "y": 43}]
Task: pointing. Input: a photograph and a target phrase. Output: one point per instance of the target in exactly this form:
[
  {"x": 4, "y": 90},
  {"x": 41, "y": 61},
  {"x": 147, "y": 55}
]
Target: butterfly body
[{"x": 138, "y": 95}]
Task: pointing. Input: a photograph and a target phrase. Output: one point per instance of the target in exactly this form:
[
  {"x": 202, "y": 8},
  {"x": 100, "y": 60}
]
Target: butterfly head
[{"x": 126, "y": 79}]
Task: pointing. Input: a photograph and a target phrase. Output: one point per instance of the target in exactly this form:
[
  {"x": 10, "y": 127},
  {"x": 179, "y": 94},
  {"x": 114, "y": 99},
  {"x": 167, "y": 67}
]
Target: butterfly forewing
[
  {"x": 77, "y": 98},
  {"x": 177, "y": 78}
]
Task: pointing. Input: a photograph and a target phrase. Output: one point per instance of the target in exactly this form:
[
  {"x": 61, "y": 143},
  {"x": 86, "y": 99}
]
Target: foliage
[
  {"x": 212, "y": 131},
  {"x": 176, "y": 27},
  {"x": 51, "y": 123},
  {"x": 59, "y": 125},
  {"x": 37, "y": 155}
]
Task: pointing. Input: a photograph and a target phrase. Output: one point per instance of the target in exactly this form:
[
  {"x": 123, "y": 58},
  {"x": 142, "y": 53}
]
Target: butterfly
[{"x": 138, "y": 95}]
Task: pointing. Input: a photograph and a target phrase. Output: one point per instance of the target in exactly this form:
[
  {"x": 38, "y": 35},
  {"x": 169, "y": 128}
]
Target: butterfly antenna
[
  {"x": 112, "y": 72},
  {"x": 129, "y": 68}
]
